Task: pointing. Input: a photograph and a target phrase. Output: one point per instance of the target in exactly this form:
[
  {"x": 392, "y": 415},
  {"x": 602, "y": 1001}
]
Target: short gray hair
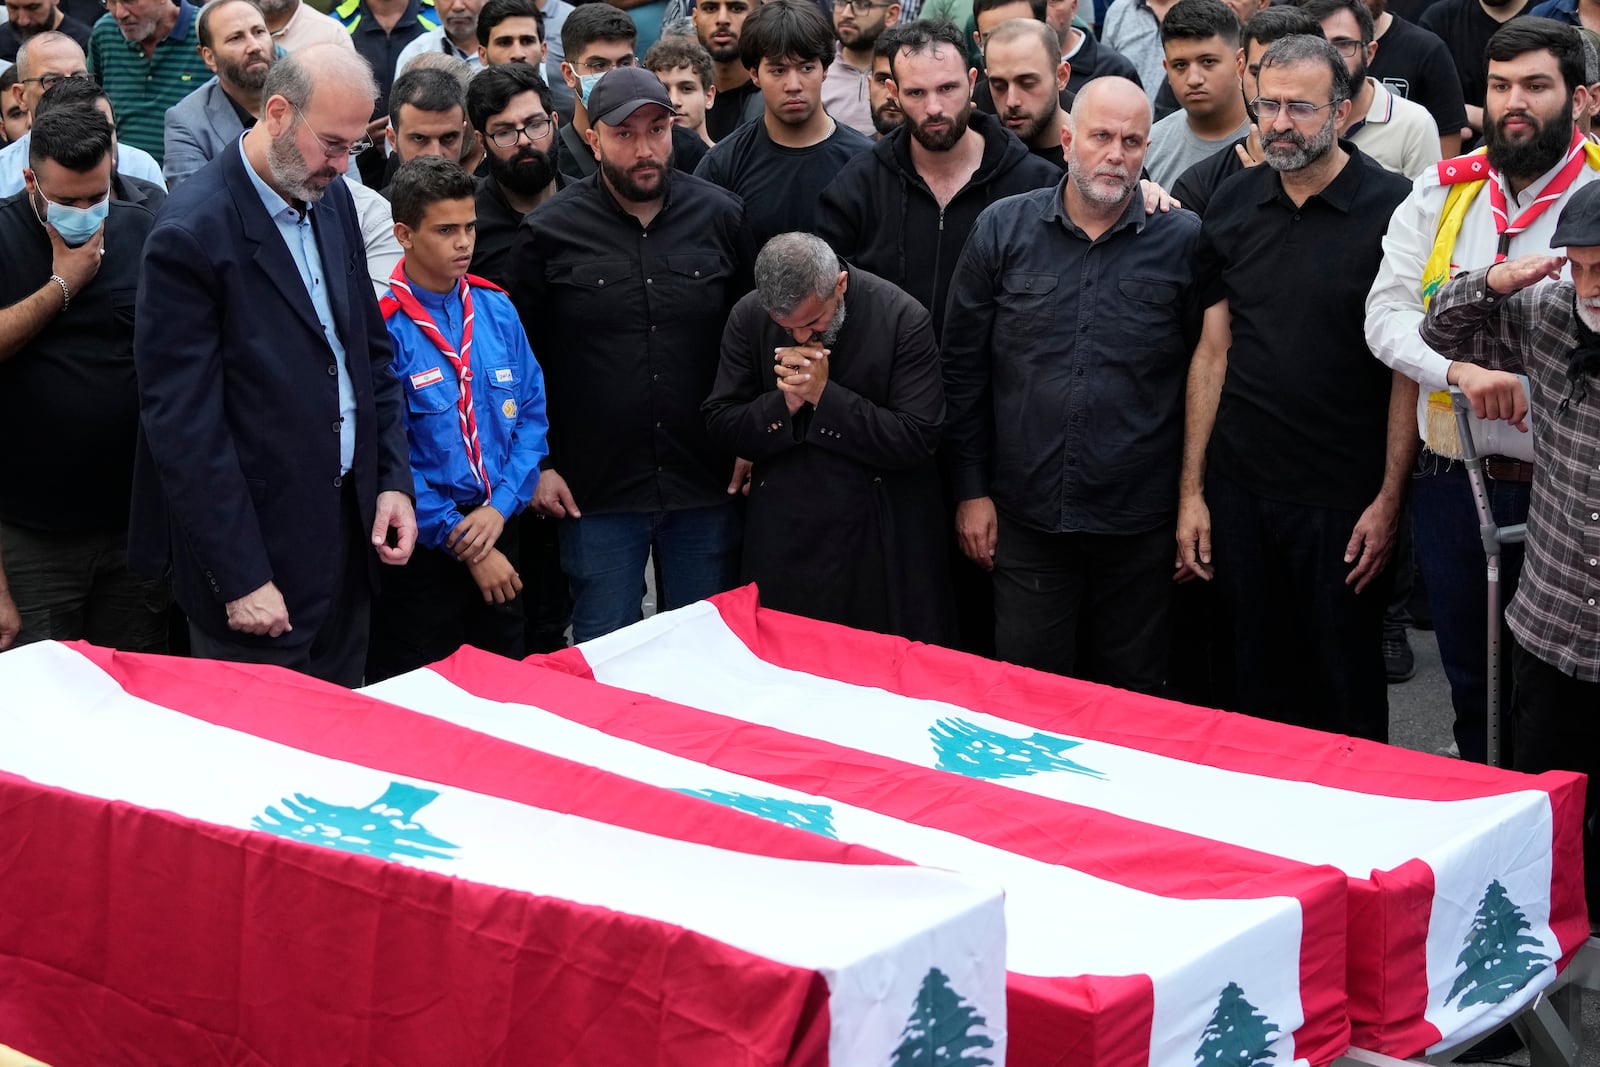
[
  {"x": 297, "y": 74},
  {"x": 793, "y": 266},
  {"x": 1299, "y": 48}
]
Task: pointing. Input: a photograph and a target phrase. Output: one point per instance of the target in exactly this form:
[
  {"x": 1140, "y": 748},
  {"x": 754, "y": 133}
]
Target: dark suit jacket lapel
[
  {"x": 327, "y": 225},
  {"x": 270, "y": 253}
]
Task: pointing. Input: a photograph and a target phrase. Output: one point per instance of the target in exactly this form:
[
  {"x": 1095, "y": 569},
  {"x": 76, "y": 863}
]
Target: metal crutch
[{"x": 1493, "y": 538}]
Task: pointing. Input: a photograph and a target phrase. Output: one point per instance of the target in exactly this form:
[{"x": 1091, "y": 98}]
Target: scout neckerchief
[{"x": 401, "y": 290}]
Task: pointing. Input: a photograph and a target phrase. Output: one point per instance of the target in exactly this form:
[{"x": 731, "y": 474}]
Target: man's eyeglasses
[
  {"x": 535, "y": 130},
  {"x": 50, "y": 81},
  {"x": 1299, "y": 110},
  {"x": 338, "y": 148},
  {"x": 596, "y": 65},
  {"x": 860, "y": 7},
  {"x": 1346, "y": 47}
]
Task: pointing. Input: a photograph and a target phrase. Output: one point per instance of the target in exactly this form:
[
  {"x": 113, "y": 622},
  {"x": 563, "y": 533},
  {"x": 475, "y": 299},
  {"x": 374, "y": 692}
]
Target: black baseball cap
[
  {"x": 623, "y": 91},
  {"x": 1580, "y": 220}
]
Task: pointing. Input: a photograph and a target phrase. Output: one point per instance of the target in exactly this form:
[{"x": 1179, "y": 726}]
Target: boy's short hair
[
  {"x": 589, "y": 23},
  {"x": 783, "y": 30},
  {"x": 1199, "y": 20},
  {"x": 425, "y": 181},
  {"x": 672, "y": 52},
  {"x": 495, "y": 12}
]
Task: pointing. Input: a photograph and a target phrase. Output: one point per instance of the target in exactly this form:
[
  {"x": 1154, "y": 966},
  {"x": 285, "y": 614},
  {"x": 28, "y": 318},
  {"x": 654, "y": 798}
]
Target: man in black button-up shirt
[
  {"x": 1297, "y": 498},
  {"x": 1071, "y": 320},
  {"x": 624, "y": 281}
]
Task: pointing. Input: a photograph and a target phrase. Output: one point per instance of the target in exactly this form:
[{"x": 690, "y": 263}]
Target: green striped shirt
[{"x": 142, "y": 89}]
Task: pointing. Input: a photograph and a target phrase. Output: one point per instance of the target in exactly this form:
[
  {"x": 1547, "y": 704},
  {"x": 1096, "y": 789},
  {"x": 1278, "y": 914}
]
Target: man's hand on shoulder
[
  {"x": 262, "y": 613},
  {"x": 395, "y": 516}
]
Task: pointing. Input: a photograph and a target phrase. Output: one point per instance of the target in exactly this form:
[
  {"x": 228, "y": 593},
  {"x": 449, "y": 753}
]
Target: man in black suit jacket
[{"x": 274, "y": 459}]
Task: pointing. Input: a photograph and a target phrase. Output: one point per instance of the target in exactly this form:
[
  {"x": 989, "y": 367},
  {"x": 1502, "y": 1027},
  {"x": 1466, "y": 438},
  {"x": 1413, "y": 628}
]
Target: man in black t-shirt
[
  {"x": 718, "y": 24},
  {"x": 1413, "y": 63},
  {"x": 780, "y": 164},
  {"x": 1298, "y": 450},
  {"x": 67, "y": 388}
]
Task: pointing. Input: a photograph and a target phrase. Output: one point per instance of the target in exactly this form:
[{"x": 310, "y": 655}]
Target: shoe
[{"x": 1399, "y": 662}]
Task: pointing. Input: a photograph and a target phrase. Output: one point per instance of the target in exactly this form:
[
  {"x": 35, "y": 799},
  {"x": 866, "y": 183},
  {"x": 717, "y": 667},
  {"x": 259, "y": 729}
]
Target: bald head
[
  {"x": 1117, "y": 94},
  {"x": 49, "y": 55}
]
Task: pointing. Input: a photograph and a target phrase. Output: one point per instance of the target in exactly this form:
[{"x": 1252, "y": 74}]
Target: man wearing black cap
[
  {"x": 1502, "y": 318},
  {"x": 623, "y": 282}
]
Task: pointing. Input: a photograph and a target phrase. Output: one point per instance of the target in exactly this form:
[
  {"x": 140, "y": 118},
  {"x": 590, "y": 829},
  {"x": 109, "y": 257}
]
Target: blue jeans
[
  {"x": 1450, "y": 556},
  {"x": 696, "y": 551}
]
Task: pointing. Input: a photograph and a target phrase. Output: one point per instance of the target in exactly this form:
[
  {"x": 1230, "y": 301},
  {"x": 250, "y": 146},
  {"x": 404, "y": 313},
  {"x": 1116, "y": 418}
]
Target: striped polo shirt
[{"x": 141, "y": 89}]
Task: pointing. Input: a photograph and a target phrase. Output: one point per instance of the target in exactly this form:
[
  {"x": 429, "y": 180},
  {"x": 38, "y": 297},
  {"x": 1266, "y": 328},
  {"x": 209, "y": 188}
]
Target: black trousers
[
  {"x": 1558, "y": 729},
  {"x": 337, "y": 650},
  {"x": 1092, "y": 606},
  {"x": 427, "y": 609},
  {"x": 546, "y": 598},
  {"x": 1308, "y": 649}
]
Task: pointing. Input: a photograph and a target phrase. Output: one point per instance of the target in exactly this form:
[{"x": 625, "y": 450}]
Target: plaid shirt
[{"x": 1556, "y": 612}]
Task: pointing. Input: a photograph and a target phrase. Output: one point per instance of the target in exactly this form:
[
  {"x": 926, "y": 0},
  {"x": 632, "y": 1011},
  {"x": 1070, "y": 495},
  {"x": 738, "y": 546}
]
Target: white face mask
[{"x": 586, "y": 84}]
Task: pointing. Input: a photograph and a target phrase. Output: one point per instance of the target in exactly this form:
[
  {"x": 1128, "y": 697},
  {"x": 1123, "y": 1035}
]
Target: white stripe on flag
[
  {"x": 873, "y": 931},
  {"x": 1062, "y": 922}
]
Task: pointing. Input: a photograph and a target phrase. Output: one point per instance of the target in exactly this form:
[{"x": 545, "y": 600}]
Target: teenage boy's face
[
  {"x": 441, "y": 244},
  {"x": 688, "y": 95}
]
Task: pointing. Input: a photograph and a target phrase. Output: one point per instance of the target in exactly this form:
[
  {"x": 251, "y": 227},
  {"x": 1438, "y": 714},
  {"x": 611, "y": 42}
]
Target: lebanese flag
[
  {"x": 1464, "y": 882},
  {"x": 1248, "y": 968},
  {"x": 215, "y": 863}
]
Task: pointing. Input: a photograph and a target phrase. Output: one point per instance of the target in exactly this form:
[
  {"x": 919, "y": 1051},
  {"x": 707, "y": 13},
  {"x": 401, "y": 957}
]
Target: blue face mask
[
  {"x": 75, "y": 224},
  {"x": 586, "y": 84}
]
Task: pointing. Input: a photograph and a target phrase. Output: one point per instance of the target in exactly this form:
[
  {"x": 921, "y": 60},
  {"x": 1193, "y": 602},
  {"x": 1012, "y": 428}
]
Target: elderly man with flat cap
[
  {"x": 624, "y": 281},
  {"x": 1503, "y": 318}
]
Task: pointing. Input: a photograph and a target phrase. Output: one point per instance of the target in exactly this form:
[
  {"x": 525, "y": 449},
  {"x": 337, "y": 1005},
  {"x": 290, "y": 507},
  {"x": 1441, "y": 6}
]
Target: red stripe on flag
[
  {"x": 1151, "y": 858},
  {"x": 136, "y": 937}
]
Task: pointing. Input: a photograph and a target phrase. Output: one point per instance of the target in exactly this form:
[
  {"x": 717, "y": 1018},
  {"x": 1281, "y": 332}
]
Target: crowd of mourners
[{"x": 1116, "y": 343}]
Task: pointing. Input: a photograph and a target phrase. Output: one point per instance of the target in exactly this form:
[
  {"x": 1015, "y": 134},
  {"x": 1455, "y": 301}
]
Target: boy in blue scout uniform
[{"x": 475, "y": 420}]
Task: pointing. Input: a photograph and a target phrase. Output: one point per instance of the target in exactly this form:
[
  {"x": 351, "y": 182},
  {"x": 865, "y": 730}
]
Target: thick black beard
[
  {"x": 629, "y": 189},
  {"x": 943, "y": 142},
  {"x": 525, "y": 175},
  {"x": 1532, "y": 158}
]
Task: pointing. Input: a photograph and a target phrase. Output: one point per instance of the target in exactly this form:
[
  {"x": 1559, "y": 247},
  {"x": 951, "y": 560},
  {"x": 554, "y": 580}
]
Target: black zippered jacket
[{"x": 881, "y": 216}]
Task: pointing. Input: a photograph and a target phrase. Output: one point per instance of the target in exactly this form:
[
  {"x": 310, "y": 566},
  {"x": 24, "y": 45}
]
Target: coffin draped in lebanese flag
[
  {"x": 205, "y": 863},
  {"x": 1461, "y": 884}
]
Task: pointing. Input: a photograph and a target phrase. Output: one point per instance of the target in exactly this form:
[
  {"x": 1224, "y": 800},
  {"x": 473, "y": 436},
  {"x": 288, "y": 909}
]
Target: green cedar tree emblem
[
  {"x": 386, "y": 828},
  {"x": 1238, "y": 1035},
  {"x": 942, "y": 1030},
  {"x": 818, "y": 818},
  {"x": 1497, "y": 960},
  {"x": 967, "y": 748}
]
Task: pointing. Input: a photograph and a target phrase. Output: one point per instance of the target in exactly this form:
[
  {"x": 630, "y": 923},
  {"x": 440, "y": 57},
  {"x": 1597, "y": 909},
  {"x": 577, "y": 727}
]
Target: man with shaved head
[
  {"x": 1072, "y": 317},
  {"x": 275, "y": 473}
]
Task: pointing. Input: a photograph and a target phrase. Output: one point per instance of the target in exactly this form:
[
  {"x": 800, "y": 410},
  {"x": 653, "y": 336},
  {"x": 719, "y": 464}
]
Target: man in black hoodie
[{"x": 903, "y": 211}]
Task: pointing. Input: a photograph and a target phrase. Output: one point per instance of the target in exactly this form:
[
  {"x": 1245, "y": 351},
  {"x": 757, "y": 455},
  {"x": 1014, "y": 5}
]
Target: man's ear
[
  {"x": 711, "y": 97},
  {"x": 593, "y": 137},
  {"x": 569, "y": 75},
  {"x": 1063, "y": 75},
  {"x": 402, "y": 233}
]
